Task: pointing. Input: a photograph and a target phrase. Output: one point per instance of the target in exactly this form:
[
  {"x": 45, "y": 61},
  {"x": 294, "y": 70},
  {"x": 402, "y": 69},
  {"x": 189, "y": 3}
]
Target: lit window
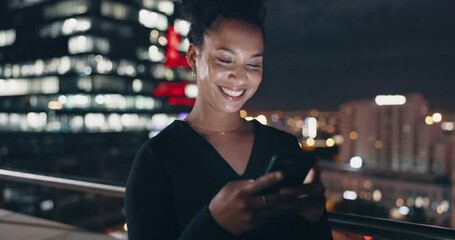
[
  {"x": 114, "y": 122},
  {"x": 158, "y": 71},
  {"x": 76, "y": 123},
  {"x": 24, "y": 3},
  {"x": 83, "y": 44},
  {"x": 184, "y": 45},
  {"x": 126, "y": 68},
  {"x": 160, "y": 121},
  {"x": 14, "y": 87},
  {"x": 153, "y": 20},
  {"x": 117, "y": 10},
  {"x": 3, "y": 119},
  {"x": 78, "y": 101},
  {"x": 149, "y": 3},
  {"x": 162, "y": 41},
  {"x": 310, "y": 127},
  {"x": 137, "y": 85},
  {"x": 85, "y": 84},
  {"x": 182, "y": 27},
  {"x": 94, "y": 121},
  {"x": 66, "y": 8},
  {"x": 16, "y": 71},
  {"x": 191, "y": 90},
  {"x": 49, "y": 85},
  {"x": 131, "y": 121},
  {"x": 74, "y": 25},
  {"x": 144, "y": 103},
  {"x": 166, "y": 7},
  {"x": 104, "y": 65},
  {"x": 80, "y": 44},
  {"x": 155, "y": 54},
  {"x": 36, "y": 120},
  {"x": 7, "y": 71},
  {"x": 7, "y": 37},
  {"x": 64, "y": 65}
]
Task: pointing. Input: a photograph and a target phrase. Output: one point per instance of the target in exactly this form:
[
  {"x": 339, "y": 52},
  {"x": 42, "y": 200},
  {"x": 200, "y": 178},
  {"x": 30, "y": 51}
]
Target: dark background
[{"x": 321, "y": 53}]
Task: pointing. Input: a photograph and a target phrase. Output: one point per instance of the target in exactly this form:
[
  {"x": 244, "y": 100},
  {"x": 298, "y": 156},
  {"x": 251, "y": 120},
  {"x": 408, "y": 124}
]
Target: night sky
[{"x": 321, "y": 53}]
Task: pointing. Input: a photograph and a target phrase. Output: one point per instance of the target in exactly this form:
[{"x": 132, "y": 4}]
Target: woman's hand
[
  {"x": 239, "y": 208},
  {"x": 308, "y": 199}
]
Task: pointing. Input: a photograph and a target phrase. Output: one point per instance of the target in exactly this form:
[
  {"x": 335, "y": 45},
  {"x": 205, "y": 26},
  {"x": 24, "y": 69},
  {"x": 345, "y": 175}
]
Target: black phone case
[{"x": 294, "y": 167}]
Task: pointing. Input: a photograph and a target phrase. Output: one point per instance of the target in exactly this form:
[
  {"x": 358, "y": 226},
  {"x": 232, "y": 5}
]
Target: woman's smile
[{"x": 232, "y": 94}]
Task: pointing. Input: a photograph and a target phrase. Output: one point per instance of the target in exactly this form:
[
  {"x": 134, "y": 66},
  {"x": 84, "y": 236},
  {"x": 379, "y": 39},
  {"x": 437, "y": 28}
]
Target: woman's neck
[{"x": 215, "y": 120}]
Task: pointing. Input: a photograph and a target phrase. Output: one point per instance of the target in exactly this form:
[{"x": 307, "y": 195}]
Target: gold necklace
[{"x": 214, "y": 132}]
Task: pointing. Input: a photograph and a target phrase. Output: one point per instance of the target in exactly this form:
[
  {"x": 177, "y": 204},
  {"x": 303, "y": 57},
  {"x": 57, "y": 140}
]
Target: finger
[
  {"x": 263, "y": 182},
  {"x": 311, "y": 201},
  {"x": 310, "y": 177},
  {"x": 314, "y": 189},
  {"x": 257, "y": 202}
]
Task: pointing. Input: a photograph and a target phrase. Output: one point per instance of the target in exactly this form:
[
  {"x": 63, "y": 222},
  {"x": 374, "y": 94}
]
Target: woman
[{"x": 201, "y": 178}]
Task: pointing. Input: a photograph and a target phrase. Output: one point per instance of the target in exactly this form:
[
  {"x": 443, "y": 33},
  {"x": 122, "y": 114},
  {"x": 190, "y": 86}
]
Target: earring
[{"x": 193, "y": 74}]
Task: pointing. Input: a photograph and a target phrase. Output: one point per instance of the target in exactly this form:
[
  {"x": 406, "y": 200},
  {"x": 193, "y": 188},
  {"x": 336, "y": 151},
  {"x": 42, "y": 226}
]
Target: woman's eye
[
  {"x": 253, "y": 66},
  {"x": 224, "y": 60}
]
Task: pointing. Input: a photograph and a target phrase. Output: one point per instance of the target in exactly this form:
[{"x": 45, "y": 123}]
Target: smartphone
[{"x": 294, "y": 167}]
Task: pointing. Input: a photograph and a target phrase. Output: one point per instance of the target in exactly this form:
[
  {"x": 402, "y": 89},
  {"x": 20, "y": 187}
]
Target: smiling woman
[{"x": 212, "y": 187}]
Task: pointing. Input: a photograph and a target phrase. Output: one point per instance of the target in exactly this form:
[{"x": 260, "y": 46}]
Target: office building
[
  {"x": 82, "y": 84},
  {"x": 389, "y": 136}
]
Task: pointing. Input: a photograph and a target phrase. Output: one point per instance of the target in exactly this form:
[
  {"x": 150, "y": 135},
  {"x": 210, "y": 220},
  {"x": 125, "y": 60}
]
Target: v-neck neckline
[{"x": 222, "y": 159}]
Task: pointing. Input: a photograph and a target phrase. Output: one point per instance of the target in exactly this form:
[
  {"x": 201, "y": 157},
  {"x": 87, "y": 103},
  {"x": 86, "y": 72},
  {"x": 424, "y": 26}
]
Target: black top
[{"x": 177, "y": 173}]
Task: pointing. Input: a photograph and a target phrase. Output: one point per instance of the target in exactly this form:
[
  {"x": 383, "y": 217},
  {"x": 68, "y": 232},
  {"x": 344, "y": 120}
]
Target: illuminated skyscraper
[
  {"x": 389, "y": 136},
  {"x": 80, "y": 65}
]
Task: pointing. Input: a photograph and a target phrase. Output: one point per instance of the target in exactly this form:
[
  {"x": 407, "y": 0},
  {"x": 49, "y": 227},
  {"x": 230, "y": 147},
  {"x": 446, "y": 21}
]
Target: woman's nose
[{"x": 239, "y": 74}]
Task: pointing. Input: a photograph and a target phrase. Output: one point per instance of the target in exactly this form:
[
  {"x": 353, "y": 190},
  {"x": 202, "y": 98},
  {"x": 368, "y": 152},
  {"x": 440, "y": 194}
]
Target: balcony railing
[{"x": 360, "y": 225}]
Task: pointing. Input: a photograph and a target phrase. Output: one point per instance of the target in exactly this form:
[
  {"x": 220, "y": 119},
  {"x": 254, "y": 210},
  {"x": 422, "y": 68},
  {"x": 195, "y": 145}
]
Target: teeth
[{"x": 232, "y": 93}]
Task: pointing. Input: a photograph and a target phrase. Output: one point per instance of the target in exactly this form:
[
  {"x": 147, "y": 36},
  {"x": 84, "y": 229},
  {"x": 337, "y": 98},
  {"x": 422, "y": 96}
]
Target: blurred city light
[
  {"x": 447, "y": 126},
  {"x": 7, "y": 37},
  {"x": 350, "y": 195},
  {"x": 243, "y": 113},
  {"x": 399, "y": 202},
  {"x": 311, "y": 127},
  {"x": 153, "y": 19},
  {"x": 191, "y": 90},
  {"x": 356, "y": 162},
  {"x": 262, "y": 119},
  {"x": 403, "y": 210},
  {"x": 353, "y": 135},
  {"x": 437, "y": 117},
  {"x": 166, "y": 7},
  {"x": 182, "y": 27},
  {"x": 377, "y": 195},
  {"x": 310, "y": 142},
  {"x": 429, "y": 120},
  {"x": 330, "y": 142},
  {"x": 383, "y": 100}
]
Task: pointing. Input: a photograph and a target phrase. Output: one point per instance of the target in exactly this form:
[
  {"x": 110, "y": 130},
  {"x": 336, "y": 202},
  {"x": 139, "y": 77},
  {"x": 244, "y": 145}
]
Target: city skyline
[{"x": 322, "y": 53}]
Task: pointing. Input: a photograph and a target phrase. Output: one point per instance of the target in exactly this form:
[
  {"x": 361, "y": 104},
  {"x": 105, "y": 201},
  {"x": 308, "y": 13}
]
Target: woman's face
[{"x": 228, "y": 65}]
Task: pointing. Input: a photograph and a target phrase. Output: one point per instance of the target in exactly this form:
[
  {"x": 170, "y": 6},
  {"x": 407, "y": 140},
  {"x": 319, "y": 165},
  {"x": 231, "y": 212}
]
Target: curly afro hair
[{"x": 204, "y": 14}]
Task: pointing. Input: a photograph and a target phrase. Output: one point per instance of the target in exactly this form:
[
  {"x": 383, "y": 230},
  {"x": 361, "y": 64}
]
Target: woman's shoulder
[
  {"x": 170, "y": 134},
  {"x": 159, "y": 148}
]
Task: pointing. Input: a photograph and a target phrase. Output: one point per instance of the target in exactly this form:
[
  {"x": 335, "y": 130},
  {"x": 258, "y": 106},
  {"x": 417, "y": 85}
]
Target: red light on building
[
  {"x": 170, "y": 89},
  {"x": 175, "y": 92},
  {"x": 367, "y": 238},
  {"x": 173, "y": 57},
  {"x": 181, "y": 101}
]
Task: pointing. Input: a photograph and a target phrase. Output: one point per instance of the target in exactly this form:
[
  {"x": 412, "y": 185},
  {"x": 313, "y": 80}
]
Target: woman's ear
[{"x": 191, "y": 56}]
